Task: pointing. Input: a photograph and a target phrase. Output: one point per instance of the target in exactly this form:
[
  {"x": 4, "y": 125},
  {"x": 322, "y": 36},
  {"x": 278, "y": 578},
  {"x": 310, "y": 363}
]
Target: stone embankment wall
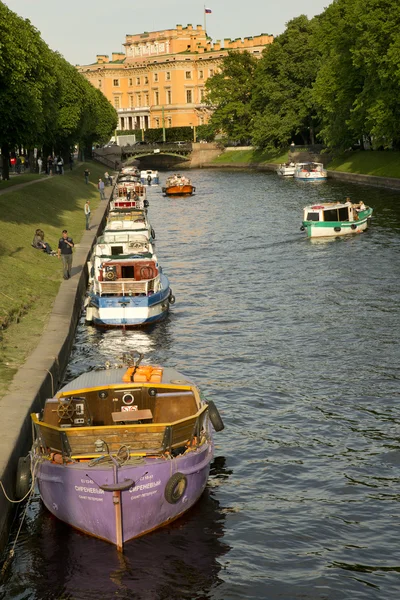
[{"x": 43, "y": 371}]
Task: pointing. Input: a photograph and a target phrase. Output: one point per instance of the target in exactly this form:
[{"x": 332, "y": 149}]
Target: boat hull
[
  {"x": 130, "y": 311},
  {"x": 179, "y": 190},
  {"x": 73, "y": 493},
  {"x": 310, "y": 177},
  {"x": 316, "y": 229}
]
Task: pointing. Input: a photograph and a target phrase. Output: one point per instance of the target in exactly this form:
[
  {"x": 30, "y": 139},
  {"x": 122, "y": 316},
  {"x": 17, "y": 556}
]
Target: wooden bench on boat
[{"x": 173, "y": 420}]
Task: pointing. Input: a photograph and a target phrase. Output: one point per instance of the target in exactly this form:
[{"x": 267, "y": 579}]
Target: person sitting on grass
[{"x": 39, "y": 243}]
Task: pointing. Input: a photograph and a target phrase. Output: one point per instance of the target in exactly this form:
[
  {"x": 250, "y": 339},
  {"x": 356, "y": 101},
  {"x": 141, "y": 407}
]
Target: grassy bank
[
  {"x": 381, "y": 164},
  {"x": 31, "y": 278},
  {"x": 249, "y": 157}
]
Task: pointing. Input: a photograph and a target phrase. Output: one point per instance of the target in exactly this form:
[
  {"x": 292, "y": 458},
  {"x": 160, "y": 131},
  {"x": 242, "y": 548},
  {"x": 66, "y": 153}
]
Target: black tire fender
[
  {"x": 24, "y": 478},
  {"x": 175, "y": 488},
  {"x": 171, "y": 298},
  {"x": 153, "y": 234},
  {"x": 215, "y": 417}
]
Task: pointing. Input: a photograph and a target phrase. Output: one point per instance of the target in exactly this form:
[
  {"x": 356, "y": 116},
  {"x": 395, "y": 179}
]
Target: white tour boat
[{"x": 310, "y": 171}]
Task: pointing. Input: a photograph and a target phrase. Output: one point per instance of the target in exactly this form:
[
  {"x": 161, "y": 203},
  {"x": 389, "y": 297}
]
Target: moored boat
[
  {"x": 286, "y": 169},
  {"x": 310, "y": 171},
  {"x": 332, "y": 219},
  {"x": 178, "y": 185},
  {"x": 149, "y": 177},
  {"x": 120, "y": 452}
]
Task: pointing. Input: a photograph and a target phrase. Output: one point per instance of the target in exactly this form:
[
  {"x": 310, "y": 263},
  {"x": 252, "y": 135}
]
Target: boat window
[
  {"x": 115, "y": 250},
  {"x": 331, "y": 214},
  {"x": 344, "y": 213},
  {"x": 127, "y": 272},
  {"x": 314, "y": 216}
]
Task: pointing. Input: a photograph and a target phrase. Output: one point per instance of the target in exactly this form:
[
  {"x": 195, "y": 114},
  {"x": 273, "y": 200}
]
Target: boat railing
[
  {"x": 76, "y": 443},
  {"x": 127, "y": 286}
]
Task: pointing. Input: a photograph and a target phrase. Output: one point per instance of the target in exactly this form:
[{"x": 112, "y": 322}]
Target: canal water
[{"x": 297, "y": 343}]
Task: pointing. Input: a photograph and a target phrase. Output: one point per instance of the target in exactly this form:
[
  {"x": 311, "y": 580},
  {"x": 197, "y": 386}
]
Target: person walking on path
[
  {"x": 65, "y": 245},
  {"x": 39, "y": 162},
  {"x": 87, "y": 214},
  {"x": 100, "y": 185},
  {"x": 86, "y": 174}
]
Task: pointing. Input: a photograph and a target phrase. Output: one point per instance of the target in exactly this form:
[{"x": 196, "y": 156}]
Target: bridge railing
[{"x": 176, "y": 147}]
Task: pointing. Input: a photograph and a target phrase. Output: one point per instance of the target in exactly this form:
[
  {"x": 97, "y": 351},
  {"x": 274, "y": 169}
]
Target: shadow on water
[{"x": 180, "y": 561}]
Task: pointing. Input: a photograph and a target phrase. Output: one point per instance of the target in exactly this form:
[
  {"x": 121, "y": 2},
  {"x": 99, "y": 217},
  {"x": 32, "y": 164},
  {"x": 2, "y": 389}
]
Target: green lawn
[
  {"x": 30, "y": 278},
  {"x": 248, "y": 157},
  {"x": 18, "y": 179},
  {"x": 380, "y": 163}
]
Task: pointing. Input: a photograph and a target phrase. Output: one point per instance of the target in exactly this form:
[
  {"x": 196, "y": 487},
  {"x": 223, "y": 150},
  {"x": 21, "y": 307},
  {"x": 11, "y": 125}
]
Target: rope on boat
[
  {"x": 11, "y": 553},
  {"x": 122, "y": 460},
  {"x": 28, "y": 493}
]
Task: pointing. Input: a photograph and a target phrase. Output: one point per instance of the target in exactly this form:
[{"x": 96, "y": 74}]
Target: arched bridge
[{"x": 141, "y": 149}]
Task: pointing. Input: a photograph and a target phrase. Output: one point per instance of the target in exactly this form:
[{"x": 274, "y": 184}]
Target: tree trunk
[{"x": 5, "y": 155}]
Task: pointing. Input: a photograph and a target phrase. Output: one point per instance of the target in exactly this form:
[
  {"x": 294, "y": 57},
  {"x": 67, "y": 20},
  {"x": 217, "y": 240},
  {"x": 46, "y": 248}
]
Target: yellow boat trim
[
  {"x": 124, "y": 385},
  {"x": 154, "y": 426}
]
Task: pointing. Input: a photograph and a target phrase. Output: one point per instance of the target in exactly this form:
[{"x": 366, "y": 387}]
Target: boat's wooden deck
[{"x": 72, "y": 425}]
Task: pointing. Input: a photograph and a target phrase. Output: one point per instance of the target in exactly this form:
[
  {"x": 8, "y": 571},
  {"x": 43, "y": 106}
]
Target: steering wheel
[{"x": 65, "y": 410}]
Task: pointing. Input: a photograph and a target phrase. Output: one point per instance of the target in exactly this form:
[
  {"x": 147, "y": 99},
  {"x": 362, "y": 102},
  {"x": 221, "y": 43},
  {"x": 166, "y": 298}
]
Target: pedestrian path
[{"x": 19, "y": 186}]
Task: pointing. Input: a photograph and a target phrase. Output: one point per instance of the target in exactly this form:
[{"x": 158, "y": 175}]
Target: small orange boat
[{"x": 178, "y": 185}]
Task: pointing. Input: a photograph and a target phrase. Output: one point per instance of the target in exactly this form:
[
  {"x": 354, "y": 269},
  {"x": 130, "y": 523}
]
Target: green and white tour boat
[{"x": 332, "y": 219}]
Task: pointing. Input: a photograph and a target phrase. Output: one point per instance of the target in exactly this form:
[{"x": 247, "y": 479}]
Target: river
[{"x": 296, "y": 341}]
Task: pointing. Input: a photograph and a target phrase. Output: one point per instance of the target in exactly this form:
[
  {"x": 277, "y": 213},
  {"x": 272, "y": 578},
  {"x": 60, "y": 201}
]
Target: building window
[
  {"x": 146, "y": 80},
  {"x": 169, "y": 96},
  {"x": 146, "y": 100},
  {"x": 138, "y": 100},
  {"x": 155, "y": 76},
  {"x": 188, "y": 74},
  {"x": 131, "y": 102},
  {"x": 157, "y": 122},
  {"x": 189, "y": 96},
  {"x": 137, "y": 80},
  {"x": 156, "y": 97},
  {"x": 169, "y": 122},
  {"x": 130, "y": 82},
  {"x": 201, "y": 120},
  {"x": 99, "y": 83},
  {"x": 211, "y": 72},
  {"x": 116, "y": 82},
  {"x": 168, "y": 76},
  {"x": 201, "y": 74},
  {"x": 202, "y": 94},
  {"x": 116, "y": 102}
]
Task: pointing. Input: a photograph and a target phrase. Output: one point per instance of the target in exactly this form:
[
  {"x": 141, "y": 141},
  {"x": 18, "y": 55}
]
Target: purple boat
[{"x": 122, "y": 451}]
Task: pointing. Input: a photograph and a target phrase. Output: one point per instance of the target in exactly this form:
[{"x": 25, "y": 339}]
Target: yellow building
[{"x": 159, "y": 81}]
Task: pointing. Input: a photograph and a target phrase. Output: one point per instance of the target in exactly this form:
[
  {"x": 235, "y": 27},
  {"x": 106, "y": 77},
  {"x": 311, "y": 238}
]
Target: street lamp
[{"x": 194, "y": 132}]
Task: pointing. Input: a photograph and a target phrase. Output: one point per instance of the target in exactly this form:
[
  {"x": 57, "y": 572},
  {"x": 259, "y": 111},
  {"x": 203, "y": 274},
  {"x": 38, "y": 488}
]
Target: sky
[{"x": 80, "y": 29}]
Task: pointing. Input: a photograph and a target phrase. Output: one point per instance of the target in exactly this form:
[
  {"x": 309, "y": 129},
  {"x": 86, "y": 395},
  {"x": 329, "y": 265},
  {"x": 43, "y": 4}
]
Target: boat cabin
[
  {"x": 122, "y": 244},
  {"x": 137, "y": 270},
  {"x": 330, "y": 212},
  {"x": 148, "y": 416}
]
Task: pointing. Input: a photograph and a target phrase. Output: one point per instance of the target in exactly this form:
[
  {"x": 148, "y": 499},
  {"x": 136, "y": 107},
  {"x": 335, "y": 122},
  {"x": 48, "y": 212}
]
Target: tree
[
  {"x": 282, "y": 100},
  {"x": 358, "y": 85},
  {"x": 229, "y": 95},
  {"x": 23, "y": 81}
]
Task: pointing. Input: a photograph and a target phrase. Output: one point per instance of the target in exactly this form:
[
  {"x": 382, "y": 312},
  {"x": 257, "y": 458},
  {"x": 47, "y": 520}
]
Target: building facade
[{"x": 159, "y": 81}]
